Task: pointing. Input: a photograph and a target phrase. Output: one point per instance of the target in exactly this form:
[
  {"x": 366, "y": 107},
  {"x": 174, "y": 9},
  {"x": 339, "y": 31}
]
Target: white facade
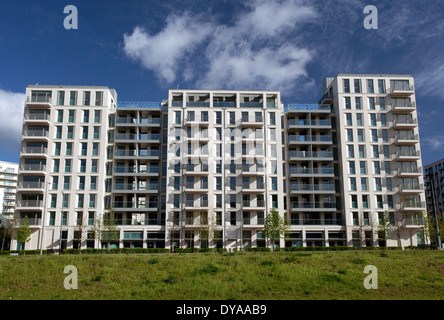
[
  {"x": 63, "y": 161},
  {"x": 8, "y": 186},
  {"x": 379, "y": 156}
]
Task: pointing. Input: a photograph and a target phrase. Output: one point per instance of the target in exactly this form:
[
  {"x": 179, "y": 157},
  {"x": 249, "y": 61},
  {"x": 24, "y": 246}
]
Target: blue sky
[{"x": 143, "y": 48}]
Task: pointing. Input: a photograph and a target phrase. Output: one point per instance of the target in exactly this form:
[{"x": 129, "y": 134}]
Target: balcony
[
  {"x": 408, "y": 172},
  {"x": 39, "y": 100},
  {"x": 130, "y": 171},
  {"x": 135, "y": 206},
  {"x": 37, "y": 118},
  {"x": 140, "y": 122},
  {"x": 312, "y": 188},
  {"x": 311, "y": 155},
  {"x": 401, "y": 91},
  {"x": 34, "y": 152},
  {"x": 406, "y": 123},
  {"x": 37, "y": 135},
  {"x": 316, "y": 222},
  {"x": 403, "y": 108},
  {"x": 196, "y": 170},
  {"x": 38, "y": 168},
  {"x": 313, "y": 206},
  {"x": 321, "y": 124},
  {"x": 253, "y": 189},
  {"x": 30, "y": 205},
  {"x": 135, "y": 222},
  {"x": 413, "y": 223},
  {"x": 252, "y": 104},
  {"x": 133, "y": 188},
  {"x": 196, "y": 205},
  {"x": 196, "y": 120},
  {"x": 37, "y": 186},
  {"x": 411, "y": 188},
  {"x": 413, "y": 206},
  {"x": 132, "y": 137},
  {"x": 33, "y": 222},
  {"x": 408, "y": 155},
  {"x": 132, "y": 154},
  {"x": 198, "y": 104},
  {"x": 406, "y": 139},
  {"x": 324, "y": 108},
  {"x": 312, "y": 172},
  {"x": 306, "y": 139}
]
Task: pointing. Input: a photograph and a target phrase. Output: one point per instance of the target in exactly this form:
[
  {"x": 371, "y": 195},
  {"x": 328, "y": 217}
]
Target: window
[
  {"x": 56, "y": 166},
  {"x": 93, "y": 183},
  {"x": 386, "y": 152},
  {"x": 67, "y": 165},
  {"x": 274, "y": 185},
  {"x": 347, "y": 103},
  {"x": 382, "y": 103},
  {"x": 86, "y": 116},
  {"x": 357, "y": 83},
  {"x": 232, "y": 117},
  {"x": 352, "y": 184},
  {"x": 71, "y": 114},
  {"x": 59, "y": 115},
  {"x": 53, "y": 203},
  {"x": 362, "y": 167},
  {"x": 94, "y": 168},
  {"x": 346, "y": 85},
  {"x": 381, "y": 86},
  {"x": 374, "y": 135},
  {"x": 70, "y": 132},
  {"x": 379, "y": 202},
  {"x": 377, "y": 167},
  {"x": 218, "y": 117},
  {"x": 359, "y": 119},
  {"x": 365, "y": 201},
  {"x": 55, "y": 183},
  {"x": 97, "y": 116},
  {"x": 351, "y": 152},
  {"x": 383, "y": 119},
  {"x": 82, "y": 183},
  {"x": 384, "y": 135},
  {"x": 204, "y": 116},
  {"x": 58, "y": 132},
  {"x": 360, "y": 135},
  {"x": 66, "y": 182},
  {"x": 272, "y": 134},
  {"x": 92, "y": 200},
  {"x": 96, "y": 133},
  {"x": 373, "y": 119},
  {"x": 73, "y": 98},
  {"x": 387, "y": 167},
  {"x": 351, "y": 166},
  {"x": 361, "y": 151},
  {"x": 82, "y": 166},
  {"x": 358, "y": 103},
  {"x": 363, "y": 184},
  {"x": 354, "y": 201},
  {"x": 99, "y": 98},
  {"x": 349, "y": 135},
  {"x": 370, "y": 87},
  {"x": 272, "y": 118},
  {"x": 84, "y": 148},
  {"x": 218, "y": 183},
  {"x": 86, "y": 98},
  {"x": 177, "y": 117},
  {"x": 85, "y": 132},
  {"x": 95, "y": 149},
  {"x": 348, "y": 119},
  {"x": 52, "y": 218},
  {"x": 371, "y": 103},
  {"x": 80, "y": 200},
  {"x": 61, "y": 98},
  {"x": 69, "y": 148},
  {"x": 64, "y": 221},
  {"x": 375, "y": 151}
]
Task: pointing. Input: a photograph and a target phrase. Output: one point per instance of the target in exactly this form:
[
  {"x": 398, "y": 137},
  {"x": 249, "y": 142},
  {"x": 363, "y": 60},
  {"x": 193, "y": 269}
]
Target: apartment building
[
  {"x": 8, "y": 186},
  {"x": 63, "y": 160},
  {"x": 434, "y": 181},
  {"x": 203, "y": 168},
  {"x": 379, "y": 157}
]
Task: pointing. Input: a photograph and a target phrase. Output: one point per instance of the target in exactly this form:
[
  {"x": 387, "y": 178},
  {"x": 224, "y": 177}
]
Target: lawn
[{"x": 416, "y": 274}]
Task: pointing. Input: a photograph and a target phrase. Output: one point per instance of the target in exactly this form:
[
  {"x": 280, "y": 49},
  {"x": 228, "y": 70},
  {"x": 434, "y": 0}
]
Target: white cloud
[
  {"x": 258, "y": 50},
  {"x": 430, "y": 80},
  {"x": 163, "y": 52},
  {"x": 435, "y": 143},
  {"x": 11, "y": 120}
]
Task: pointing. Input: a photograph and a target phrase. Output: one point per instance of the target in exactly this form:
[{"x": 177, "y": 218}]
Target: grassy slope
[{"x": 307, "y": 275}]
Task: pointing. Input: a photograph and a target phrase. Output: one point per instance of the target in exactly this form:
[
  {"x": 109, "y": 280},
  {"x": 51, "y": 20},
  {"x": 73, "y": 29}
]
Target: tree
[
  {"x": 23, "y": 232},
  {"x": 275, "y": 227},
  {"x": 106, "y": 230},
  {"x": 384, "y": 228},
  {"x": 6, "y": 232}
]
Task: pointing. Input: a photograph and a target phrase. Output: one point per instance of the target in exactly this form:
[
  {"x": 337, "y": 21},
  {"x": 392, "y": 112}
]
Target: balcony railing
[
  {"x": 135, "y": 205},
  {"x": 413, "y": 204},
  {"x": 36, "y": 133},
  {"x": 408, "y": 154},
  {"x": 312, "y": 187},
  {"x": 37, "y": 116},
  {"x": 31, "y": 185},
  {"x": 307, "y": 138},
  {"x": 310, "y": 154},
  {"x": 313, "y": 205},
  {"x": 315, "y": 222},
  {"x": 132, "y": 187},
  {"x": 311, "y": 171},
  {"x": 33, "y": 167},
  {"x": 293, "y": 122},
  {"x": 252, "y": 204},
  {"x": 30, "y": 203},
  {"x": 133, "y": 136},
  {"x": 34, "y": 150}
]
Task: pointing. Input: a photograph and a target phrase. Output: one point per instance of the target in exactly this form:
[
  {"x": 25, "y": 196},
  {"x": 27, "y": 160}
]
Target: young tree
[
  {"x": 24, "y": 232},
  {"x": 275, "y": 226},
  {"x": 384, "y": 228},
  {"x": 106, "y": 230},
  {"x": 6, "y": 232}
]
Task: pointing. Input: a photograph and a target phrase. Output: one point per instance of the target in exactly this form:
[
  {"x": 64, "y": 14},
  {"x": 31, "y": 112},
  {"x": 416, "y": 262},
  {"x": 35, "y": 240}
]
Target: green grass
[{"x": 417, "y": 274}]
